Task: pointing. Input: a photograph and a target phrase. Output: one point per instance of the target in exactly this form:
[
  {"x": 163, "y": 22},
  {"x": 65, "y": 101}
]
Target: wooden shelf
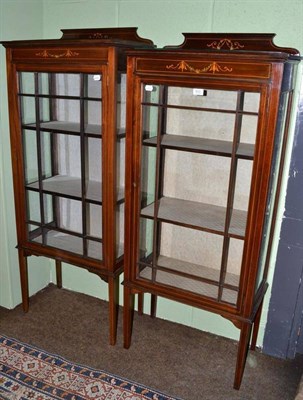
[
  {"x": 70, "y": 243},
  {"x": 192, "y": 277},
  {"x": 71, "y": 128},
  {"x": 71, "y": 187},
  {"x": 192, "y": 214},
  {"x": 201, "y": 145},
  {"x": 74, "y": 244}
]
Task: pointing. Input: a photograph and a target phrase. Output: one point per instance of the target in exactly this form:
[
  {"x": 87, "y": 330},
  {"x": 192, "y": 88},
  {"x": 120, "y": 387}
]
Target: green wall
[
  {"x": 162, "y": 21},
  {"x": 18, "y": 19}
]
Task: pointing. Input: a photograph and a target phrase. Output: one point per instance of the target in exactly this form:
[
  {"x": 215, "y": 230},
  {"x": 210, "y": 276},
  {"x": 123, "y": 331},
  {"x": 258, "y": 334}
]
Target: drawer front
[{"x": 194, "y": 67}]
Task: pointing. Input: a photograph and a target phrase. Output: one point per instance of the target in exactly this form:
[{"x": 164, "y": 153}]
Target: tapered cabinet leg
[
  {"x": 256, "y": 328},
  {"x": 140, "y": 303},
  {"x": 113, "y": 295},
  {"x": 24, "y": 279},
  {"x": 153, "y": 306},
  {"x": 242, "y": 353},
  {"x": 59, "y": 273},
  {"x": 128, "y": 314}
]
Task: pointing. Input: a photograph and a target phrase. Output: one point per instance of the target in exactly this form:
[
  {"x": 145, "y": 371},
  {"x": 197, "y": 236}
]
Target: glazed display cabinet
[
  {"x": 206, "y": 133},
  {"x": 67, "y": 125}
]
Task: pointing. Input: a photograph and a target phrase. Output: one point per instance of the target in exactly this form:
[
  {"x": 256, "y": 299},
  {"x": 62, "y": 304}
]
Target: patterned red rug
[{"x": 27, "y": 373}]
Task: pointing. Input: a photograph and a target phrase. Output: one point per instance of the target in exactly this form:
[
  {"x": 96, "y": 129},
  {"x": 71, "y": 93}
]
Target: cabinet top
[
  {"x": 117, "y": 37},
  {"x": 231, "y": 42}
]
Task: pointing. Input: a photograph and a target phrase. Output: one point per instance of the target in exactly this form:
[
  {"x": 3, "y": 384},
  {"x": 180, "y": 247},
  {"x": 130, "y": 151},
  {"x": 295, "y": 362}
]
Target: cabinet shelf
[
  {"x": 72, "y": 128},
  {"x": 201, "y": 145},
  {"x": 201, "y": 216},
  {"x": 70, "y": 186},
  {"x": 191, "y": 277},
  {"x": 73, "y": 244}
]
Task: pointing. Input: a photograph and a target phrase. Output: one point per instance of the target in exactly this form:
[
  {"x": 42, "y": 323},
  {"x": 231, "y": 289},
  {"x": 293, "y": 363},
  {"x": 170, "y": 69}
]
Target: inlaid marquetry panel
[
  {"x": 54, "y": 55},
  {"x": 209, "y": 67}
]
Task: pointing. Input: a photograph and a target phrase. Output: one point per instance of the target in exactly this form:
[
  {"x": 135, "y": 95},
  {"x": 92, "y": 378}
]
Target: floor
[{"x": 178, "y": 360}]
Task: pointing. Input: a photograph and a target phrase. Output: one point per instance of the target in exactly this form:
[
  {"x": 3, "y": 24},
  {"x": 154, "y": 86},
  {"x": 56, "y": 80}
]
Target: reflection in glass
[
  {"x": 28, "y": 110},
  {"x": 148, "y": 178},
  {"x": 27, "y": 82},
  {"x": 150, "y": 93},
  {"x": 149, "y": 121},
  {"x": 33, "y": 206},
  {"x": 273, "y": 186},
  {"x": 48, "y": 207}
]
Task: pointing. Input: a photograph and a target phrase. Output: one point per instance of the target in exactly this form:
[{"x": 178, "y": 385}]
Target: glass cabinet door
[
  {"x": 196, "y": 165},
  {"x": 61, "y": 120}
]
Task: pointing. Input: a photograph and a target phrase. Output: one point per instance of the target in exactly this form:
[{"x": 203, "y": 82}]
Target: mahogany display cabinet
[
  {"x": 207, "y": 128},
  {"x": 67, "y": 126}
]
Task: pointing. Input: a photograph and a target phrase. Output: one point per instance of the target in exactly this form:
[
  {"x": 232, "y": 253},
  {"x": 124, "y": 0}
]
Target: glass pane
[
  {"x": 71, "y": 214},
  {"x": 67, "y": 84},
  {"x": 251, "y": 102},
  {"x": 46, "y": 152},
  {"x": 249, "y": 128},
  {"x": 120, "y": 159},
  {"x": 94, "y": 169},
  {"x": 235, "y": 253},
  {"x": 93, "y": 86},
  {"x": 120, "y": 230},
  {"x": 33, "y": 231},
  {"x": 94, "y": 249},
  {"x": 150, "y": 93},
  {"x": 121, "y": 103},
  {"x": 45, "y": 110},
  {"x": 93, "y": 113},
  {"x": 49, "y": 206},
  {"x": 199, "y": 97},
  {"x": 192, "y": 246},
  {"x": 44, "y": 83},
  {"x": 33, "y": 206},
  {"x": 273, "y": 186},
  {"x": 94, "y": 164},
  {"x": 196, "y": 177},
  {"x": 146, "y": 239},
  {"x": 28, "y": 110},
  {"x": 63, "y": 219},
  {"x": 30, "y": 156},
  {"x": 61, "y": 240},
  {"x": 148, "y": 178},
  {"x": 94, "y": 226},
  {"x": 61, "y": 155},
  {"x": 27, "y": 82},
  {"x": 68, "y": 155},
  {"x": 200, "y": 124},
  {"x": 59, "y": 84},
  {"x": 242, "y": 187},
  {"x": 67, "y": 110},
  {"x": 149, "y": 121}
]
